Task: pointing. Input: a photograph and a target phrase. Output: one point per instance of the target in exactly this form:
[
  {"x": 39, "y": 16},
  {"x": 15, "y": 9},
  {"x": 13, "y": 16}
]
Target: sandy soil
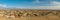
[
  {"x": 32, "y": 18},
  {"x": 49, "y": 17}
]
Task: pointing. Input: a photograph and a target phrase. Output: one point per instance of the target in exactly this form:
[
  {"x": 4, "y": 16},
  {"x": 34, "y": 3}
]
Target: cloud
[
  {"x": 2, "y": 5},
  {"x": 36, "y": 1},
  {"x": 56, "y": 3}
]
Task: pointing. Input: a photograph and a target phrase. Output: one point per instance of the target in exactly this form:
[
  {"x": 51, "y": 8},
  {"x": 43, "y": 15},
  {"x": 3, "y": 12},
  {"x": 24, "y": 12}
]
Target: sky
[{"x": 30, "y": 4}]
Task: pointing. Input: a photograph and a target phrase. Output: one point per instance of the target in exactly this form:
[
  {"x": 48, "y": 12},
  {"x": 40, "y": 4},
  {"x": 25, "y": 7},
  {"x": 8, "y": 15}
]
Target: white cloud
[
  {"x": 2, "y": 5},
  {"x": 55, "y": 5},
  {"x": 36, "y": 1}
]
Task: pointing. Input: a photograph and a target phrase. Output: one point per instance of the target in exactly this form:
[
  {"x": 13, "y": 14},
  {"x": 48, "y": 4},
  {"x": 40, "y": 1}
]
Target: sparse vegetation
[{"x": 33, "y": 14}]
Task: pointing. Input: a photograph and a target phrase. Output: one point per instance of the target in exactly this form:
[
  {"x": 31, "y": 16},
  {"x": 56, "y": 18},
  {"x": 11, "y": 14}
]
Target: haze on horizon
[{"x": 30, "y": 4}]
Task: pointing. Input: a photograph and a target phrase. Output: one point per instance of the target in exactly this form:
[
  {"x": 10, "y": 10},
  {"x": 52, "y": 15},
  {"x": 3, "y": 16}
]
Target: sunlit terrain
[{"x": 29, "y": 14}]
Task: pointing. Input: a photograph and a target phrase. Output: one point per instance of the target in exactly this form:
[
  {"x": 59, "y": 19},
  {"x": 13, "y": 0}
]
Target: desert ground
[{"x": 29, "y": 15}]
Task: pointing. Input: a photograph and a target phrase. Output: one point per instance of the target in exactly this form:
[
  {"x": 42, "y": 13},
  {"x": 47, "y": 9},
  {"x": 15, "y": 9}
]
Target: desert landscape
[
  {"x": 29, "y": 9},
  {"x": 29, "y": 14}
]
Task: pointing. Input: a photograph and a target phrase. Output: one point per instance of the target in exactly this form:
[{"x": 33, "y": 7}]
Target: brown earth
[
  {"x": 32, "y": 18},
  {"x": 46, "y": 13}
]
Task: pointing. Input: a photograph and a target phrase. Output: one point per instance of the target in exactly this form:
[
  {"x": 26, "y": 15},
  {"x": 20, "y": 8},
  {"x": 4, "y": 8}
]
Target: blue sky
[{"x": 30, "y": 4}]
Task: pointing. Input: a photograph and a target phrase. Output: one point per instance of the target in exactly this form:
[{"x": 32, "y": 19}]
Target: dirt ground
[{"x": 33, "y": 18}]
